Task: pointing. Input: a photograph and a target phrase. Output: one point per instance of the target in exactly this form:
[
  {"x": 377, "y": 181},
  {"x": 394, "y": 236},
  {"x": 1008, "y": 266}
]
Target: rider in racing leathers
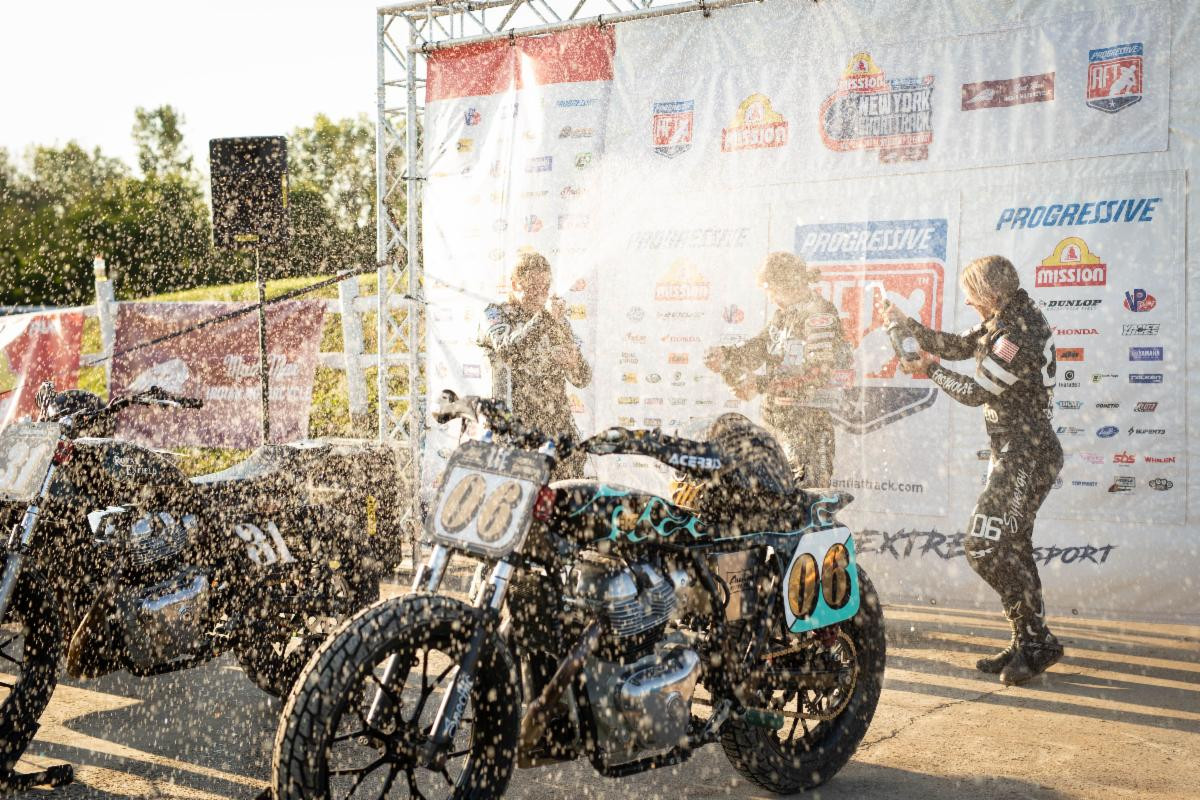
[
  {"x": 800, "y": 348},
  {"x": 533, "y": 352},
  {"x": 1013, "y": 381}
]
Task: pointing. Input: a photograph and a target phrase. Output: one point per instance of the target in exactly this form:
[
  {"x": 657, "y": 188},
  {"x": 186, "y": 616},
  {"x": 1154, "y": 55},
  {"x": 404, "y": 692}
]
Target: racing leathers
[
  {"x": 522, "y": 346},
  {"x": 799, "y": 350},
  {"x": 1014, "y": 382}
]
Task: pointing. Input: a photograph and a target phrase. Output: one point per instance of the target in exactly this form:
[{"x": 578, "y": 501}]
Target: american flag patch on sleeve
[{"x": 1005, "y": 349}]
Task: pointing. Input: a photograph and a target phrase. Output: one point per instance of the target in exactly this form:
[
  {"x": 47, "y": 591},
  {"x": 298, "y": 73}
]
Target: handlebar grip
[{"x": 190, "y": 402}]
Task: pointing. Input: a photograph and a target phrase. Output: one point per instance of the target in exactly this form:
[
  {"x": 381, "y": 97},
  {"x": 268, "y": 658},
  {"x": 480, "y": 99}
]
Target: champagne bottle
[{"x": 903, "y": 342}]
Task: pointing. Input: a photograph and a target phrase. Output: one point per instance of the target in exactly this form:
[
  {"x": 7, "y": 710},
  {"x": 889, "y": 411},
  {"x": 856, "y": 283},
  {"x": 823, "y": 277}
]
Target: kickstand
[{"x": 58, "y": 775}]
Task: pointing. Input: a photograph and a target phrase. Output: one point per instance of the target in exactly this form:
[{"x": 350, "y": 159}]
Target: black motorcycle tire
[
  {"x": 755, "y": 751},
  {"x": 42, "y": 648},
  {"x": 334, "y": 677}
]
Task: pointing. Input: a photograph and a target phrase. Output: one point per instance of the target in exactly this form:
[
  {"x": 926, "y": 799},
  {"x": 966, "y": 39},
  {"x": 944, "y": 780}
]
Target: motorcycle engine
[
  {"x": 142, "y": 541},
  {"x": 639, "y": 684}
]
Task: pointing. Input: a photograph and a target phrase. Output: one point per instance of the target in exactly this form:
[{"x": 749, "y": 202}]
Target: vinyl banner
[
  {"x": 36, "y": 348},
  {"x": 862, "y": 255},
  {"x": 696, "y": 103},
  {"x": 219, "y": 365},
  {"x": 1104, "y": 260},
  {"x": 513, "y": 137}
]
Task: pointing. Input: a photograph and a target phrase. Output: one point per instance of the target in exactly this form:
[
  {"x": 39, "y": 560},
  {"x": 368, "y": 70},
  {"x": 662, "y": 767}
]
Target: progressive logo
[{"x": 1071, "y": 264}]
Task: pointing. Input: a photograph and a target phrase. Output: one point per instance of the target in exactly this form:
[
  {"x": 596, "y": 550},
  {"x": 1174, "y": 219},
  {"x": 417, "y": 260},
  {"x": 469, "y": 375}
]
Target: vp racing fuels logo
[
  {"x": 671, "y": 127},
  {"x": 1114, "y": 77},
  {"x": 871, "y": 112},
  {"x": 1071, "y": 264},
  {"x": 756, "y": 125}
]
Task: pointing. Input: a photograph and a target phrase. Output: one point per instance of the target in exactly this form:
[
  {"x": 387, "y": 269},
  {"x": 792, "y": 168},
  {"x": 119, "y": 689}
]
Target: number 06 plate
[{"x": 485, "y": 505}]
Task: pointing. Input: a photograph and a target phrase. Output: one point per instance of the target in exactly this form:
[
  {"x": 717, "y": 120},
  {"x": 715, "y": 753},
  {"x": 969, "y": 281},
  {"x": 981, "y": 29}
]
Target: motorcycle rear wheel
[
  {"x": 325, "y": 742},
  {"x": 30, "y": 646},
  {"x": 783, "y": 763}
]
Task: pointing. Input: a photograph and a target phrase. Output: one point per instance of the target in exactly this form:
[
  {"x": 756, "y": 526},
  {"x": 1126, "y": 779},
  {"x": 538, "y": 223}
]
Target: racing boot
[
  {"x": 993, "y": 664},
  {"x": 1037, "y": 648}
]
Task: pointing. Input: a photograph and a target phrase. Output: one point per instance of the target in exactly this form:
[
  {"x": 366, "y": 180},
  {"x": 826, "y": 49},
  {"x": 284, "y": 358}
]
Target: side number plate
[{"x": 820, "y": 586}]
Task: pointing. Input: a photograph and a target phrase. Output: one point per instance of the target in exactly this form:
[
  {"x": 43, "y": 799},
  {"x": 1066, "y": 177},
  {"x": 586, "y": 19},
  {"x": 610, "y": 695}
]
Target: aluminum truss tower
[{"x": 406, "y": 33}]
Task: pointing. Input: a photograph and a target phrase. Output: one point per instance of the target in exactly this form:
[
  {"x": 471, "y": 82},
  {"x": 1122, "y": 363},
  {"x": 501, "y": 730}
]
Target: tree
[
  {"x": 331, "y": 167},
  {"x": 159, "y": 138}
]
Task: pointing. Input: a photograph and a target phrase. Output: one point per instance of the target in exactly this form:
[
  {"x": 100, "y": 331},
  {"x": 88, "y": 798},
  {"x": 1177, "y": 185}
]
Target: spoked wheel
[
  {"x": 331, "y": 745},
  {"x": 30, "y": 645},
  {"x": 826, "y": 687}
]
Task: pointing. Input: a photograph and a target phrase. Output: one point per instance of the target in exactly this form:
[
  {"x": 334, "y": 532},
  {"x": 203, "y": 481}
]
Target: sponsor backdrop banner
[
  {"x": 36, "y": 348},
  {"x": 690, "y": 106},
  {"x": 658, "y": 171},
  {"x": 219, "y": 365}
]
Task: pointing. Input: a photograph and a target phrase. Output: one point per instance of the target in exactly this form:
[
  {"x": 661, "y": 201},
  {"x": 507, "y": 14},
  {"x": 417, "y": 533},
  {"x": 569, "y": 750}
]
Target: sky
[{"x": 71, "y": 69}]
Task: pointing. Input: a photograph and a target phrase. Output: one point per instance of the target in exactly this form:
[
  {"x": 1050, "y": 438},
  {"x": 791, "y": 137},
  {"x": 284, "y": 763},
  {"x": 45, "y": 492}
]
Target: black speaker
[{"x": 249, "y": 192}]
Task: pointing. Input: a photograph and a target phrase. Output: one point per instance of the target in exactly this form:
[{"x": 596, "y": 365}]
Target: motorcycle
[
  {"x": 615, "y": 625},
  {"x": 118, "y": 559}
]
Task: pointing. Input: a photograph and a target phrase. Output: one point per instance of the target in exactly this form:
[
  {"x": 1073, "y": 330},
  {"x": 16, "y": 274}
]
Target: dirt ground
[{"x": 1119, "y": 717}]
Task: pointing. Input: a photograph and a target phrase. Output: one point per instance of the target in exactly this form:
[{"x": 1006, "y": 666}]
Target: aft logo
[
  {"x": 1139, "y": 300},
  {"x": 1114, "y": 77},
  {"x": 755, "y": 125},
  {"x": 671, "y": 127},
  {"x": 1071, "y": 264},
  {"x": 872, "y": 112}
]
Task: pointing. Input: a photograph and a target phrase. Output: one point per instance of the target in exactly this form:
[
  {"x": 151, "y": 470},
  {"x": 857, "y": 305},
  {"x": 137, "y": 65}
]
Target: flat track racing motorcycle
[
  {"x": 610, "y": 618},
  {"x": 118, "y": 560}
]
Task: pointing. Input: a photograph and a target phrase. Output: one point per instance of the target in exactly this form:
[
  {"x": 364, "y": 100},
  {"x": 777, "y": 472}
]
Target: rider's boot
[
  {"x": 993, "y": 664},
  {"x": 1037, "y": 648}
]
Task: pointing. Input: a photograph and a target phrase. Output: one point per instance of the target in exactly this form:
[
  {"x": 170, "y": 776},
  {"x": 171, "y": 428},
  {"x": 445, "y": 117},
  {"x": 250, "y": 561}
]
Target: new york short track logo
[{"x": 870, "y": 111}]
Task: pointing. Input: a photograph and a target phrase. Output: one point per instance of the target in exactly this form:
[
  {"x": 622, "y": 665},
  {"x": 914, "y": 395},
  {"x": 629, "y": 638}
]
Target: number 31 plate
[{"x": 486, "y": 502}]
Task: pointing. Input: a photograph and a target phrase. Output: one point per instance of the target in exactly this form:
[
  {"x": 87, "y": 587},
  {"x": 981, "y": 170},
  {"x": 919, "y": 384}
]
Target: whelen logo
[
  {"x": 1071, "y": 264},
  {"x": 1158, "y": 460}
]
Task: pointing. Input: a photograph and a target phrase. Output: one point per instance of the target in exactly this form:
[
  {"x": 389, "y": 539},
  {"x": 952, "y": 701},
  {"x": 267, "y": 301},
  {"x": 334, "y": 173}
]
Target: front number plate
[
  {"x": 820, "y": 587},
  {"x": 25, "y": 454},
  {"x": 485, "y": 505}
]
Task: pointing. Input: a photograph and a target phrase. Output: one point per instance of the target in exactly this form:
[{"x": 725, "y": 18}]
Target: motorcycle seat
[{"x": 264, "y": 466}]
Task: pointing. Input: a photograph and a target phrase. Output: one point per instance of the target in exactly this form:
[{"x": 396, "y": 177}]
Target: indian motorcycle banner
[{"x": 219, "y": 365}]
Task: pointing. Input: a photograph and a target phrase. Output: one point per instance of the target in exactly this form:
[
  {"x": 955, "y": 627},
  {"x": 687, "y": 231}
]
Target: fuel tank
[
  {"x": 113, "y": 469},
  {"x": 589, "y": 512}
]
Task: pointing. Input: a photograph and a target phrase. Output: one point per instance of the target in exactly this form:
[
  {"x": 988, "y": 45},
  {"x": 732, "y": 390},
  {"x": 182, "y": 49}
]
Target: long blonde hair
[{"x": 992, "y": 279}]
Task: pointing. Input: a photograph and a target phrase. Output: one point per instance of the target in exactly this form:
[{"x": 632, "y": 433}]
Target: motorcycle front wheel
[
  {"x": 329, "y": 745},
  {"x": 30, "y": 646},
  {"x": 825, "y": 718}
]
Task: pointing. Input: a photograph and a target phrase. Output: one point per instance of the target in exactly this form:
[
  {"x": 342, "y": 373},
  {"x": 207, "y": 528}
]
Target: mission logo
[
  {"x": 755, "y": 125},
  {"x": 1071, "y": 264}
]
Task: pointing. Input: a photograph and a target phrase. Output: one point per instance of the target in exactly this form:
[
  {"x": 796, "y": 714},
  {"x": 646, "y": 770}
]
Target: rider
[
  {"x": 533, "y": 354},
  {"x": 801, "y": 347},
  {"x": 1013, "y": 381}
]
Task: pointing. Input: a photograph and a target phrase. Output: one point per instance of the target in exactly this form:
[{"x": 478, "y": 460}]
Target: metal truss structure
[{"x": 406, "y": 33}]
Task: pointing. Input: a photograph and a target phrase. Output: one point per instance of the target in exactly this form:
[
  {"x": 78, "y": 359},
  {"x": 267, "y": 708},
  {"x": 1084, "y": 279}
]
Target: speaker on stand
[{"x": 250, "y": 212}]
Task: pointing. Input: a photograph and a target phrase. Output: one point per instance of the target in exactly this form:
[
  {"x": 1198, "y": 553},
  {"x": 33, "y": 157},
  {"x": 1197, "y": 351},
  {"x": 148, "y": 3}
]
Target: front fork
[
  {"x": 19, "y": 539},
  {"x": 486, "y": 606}
]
